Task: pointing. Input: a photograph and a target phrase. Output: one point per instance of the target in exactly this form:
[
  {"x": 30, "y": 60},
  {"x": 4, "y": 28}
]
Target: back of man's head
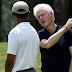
[{"x": 20, "y": 8}]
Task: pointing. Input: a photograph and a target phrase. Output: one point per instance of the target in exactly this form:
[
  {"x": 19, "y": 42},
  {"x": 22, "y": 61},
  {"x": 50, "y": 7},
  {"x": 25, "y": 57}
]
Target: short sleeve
[{"x": 13, "y": 43}]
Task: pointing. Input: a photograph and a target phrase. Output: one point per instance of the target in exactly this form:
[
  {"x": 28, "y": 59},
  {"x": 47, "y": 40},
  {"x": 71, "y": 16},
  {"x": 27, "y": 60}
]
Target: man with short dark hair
[{"x": 23, "y": 41}]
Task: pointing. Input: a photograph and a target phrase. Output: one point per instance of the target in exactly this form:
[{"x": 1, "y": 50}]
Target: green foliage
[{"x": 3, "y": 54}]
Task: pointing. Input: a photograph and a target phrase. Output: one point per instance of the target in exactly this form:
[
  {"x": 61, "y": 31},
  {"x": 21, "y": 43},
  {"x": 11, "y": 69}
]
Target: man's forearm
[
  {"x": 9, "y": 62},
  {"x": 52, "y": 40},
  {"x": 55, "y": 38},
  {"x": 8, "y": 68}
]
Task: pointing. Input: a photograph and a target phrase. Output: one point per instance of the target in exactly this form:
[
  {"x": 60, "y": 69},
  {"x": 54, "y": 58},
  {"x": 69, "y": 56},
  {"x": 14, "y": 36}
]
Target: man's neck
[
  {"x": 19, "y": 21},
  {"x": 52, "y": 28}
]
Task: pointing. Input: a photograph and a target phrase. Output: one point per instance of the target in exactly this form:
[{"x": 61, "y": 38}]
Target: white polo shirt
[{"x": 23, "y": 41}]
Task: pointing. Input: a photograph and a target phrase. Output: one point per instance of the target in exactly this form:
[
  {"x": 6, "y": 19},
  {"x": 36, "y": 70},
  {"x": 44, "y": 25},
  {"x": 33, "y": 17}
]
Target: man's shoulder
[{"x": 14, "y": 30}]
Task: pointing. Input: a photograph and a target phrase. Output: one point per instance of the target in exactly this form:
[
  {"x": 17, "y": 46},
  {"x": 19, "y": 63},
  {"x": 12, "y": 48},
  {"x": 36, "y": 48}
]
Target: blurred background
[{"x": 62, "y": 9}]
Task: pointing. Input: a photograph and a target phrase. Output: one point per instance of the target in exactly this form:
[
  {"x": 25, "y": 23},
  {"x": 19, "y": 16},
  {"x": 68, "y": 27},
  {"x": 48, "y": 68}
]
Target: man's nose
[{"x": 41, "y": 17}]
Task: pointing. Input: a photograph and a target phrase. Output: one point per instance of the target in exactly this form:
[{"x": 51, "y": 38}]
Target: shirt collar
[
  {"x": 57, "y": 28},
  {"x": 24, "y": 25}
]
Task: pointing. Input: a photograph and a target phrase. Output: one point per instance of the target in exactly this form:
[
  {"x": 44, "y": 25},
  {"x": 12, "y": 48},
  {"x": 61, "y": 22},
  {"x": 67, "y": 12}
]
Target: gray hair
[{"x": 45, "y": 7}]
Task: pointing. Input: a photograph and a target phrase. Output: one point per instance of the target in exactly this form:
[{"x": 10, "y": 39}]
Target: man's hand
[{"x": 69, "y": 23}]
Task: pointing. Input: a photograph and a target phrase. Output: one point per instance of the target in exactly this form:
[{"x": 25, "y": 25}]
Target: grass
[
  {"x": 3, "y": 53},
  {"x": 3, "y": 49}
]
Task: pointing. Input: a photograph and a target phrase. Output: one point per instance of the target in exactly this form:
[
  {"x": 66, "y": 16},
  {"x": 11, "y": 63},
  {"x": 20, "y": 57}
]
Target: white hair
[{"x": 45, "y": 7}]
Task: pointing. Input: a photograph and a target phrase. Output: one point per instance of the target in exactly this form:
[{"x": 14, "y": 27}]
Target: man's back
[{"x": 26, "y": 48}]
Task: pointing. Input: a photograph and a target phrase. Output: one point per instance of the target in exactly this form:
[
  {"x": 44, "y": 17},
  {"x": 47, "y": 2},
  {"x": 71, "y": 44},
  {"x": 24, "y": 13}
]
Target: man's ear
[
  {"x": 28, "y": 14},
  {"x": 51, "y": 13},
  {"x": 13, "y": 15}
]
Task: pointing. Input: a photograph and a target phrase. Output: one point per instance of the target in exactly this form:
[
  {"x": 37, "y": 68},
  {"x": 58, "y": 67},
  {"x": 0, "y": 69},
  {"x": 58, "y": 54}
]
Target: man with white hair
[
  {"x": 56, "y": 54},
  {"x": 23, "y": 41}
]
